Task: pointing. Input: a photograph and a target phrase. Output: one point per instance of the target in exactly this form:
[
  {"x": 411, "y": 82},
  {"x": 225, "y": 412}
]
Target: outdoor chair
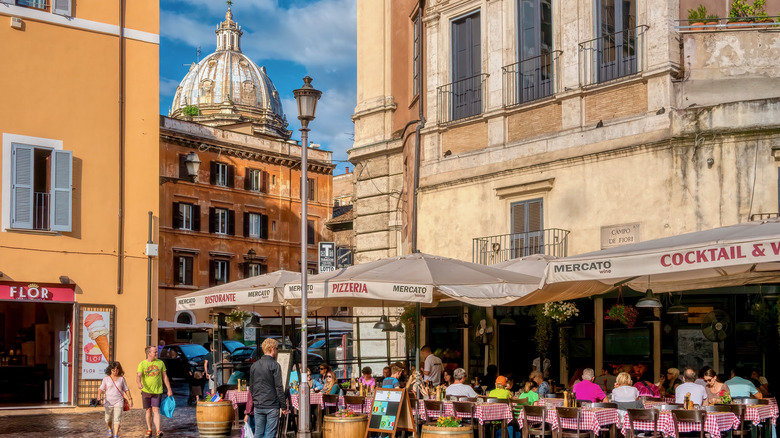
[
  {"x": 433, "y": 405},
  {"x": 573, "y": 413},
  {"x": 452, "y": 397},
  {"x": 355, "y": 400},
  {"x": 471, "y": 399},
  {"x": 717, "y": 408},
  {"x": 744, "y": 428},
  {"x": 643, "y": 415},
  {"x": 624, "y": 406},
  {"x": 604, "y": 405},
  {"x": 683, "y": 415},
  {"x": 534, "y": 427},
  {"x": 465, "y": 411},
  {"x": 415, "y": 408},
  {"x": 333, "y": 401}
]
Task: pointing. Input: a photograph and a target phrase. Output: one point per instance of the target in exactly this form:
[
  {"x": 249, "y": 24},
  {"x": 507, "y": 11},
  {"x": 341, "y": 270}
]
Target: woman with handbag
[{"x": 116, "y": 397}]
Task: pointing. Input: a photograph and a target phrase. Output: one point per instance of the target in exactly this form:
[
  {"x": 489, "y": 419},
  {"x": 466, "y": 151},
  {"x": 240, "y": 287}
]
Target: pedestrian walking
[
  {"x": 151, "y": 376},
  {"x": 208, "y": 367},
  {"x": 113, "y": 391},
  {"x": 265, "y": 381}
]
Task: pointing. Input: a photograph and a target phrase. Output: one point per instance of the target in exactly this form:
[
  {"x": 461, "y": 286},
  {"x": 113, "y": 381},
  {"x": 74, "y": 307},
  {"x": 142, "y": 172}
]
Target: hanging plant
[
  {"x": 622, "y": 313},
  {"x": 409, "y": 319},
  {"x": 236, "y": 318},
  {"x": 543, "y": 334},
  {"x": 560, "y": 311}
]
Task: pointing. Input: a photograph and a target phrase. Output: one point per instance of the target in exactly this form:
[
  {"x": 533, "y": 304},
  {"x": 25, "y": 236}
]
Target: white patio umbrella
[
  {"x": 414, "y": 278},
  {"x": 262, "y": 290},
  {"x": 536, "y": 266},
  {"x": 747, "y": 253}
]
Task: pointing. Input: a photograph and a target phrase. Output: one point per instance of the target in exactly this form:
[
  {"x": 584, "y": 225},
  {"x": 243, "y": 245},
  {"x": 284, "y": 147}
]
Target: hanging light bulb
[
  {"x": 649, "y": 301},
  {"x": 507, "y": 321},
  {"x": 383, "y": 324}
]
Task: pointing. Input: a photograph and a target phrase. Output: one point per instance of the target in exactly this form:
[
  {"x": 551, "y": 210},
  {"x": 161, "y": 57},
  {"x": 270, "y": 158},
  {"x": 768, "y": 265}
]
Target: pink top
[
  {"x": 647, "y": 388},
  {"x": 370, "y": 383},
  {"x": 588, "y": 391}
]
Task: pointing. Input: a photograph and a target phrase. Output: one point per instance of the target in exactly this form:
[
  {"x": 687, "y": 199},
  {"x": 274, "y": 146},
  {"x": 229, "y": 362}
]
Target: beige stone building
[{"x": 559, "y": 127}]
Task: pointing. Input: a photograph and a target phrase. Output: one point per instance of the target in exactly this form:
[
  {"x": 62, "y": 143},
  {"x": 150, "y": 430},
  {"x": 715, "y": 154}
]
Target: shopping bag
[
  {"x": 246, "y": 431},
  {"x": 126, "y": 406},
  {"x": 167, "y": 406}
]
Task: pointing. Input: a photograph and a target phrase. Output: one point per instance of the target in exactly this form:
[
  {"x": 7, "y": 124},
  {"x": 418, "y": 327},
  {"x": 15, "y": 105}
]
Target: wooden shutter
[
  {"x": 467, "y": 63},
  {"x": 177, "y": 217},
  {"x": 176, "y": 269},
  {"x": 535, "y": 215},
  {"x": 246, "y": 224},
  {"x": 60, "y": 204},
  {"x": 212, "y": 220},
  {"x": 310, "y": 237},
  {"x": 188, "y": 270},
  {"x": 212, "y": 270},
  {"x": 231, "y": 225},
  {"x": 196, "y": 218},
  {"x": 22, "y": 157},
  {"x": 62, "y": 7},
  {"x": 245, "y": 268},
  {"x": 213, "y": 172},
  {"x": 231, "y": 176},
  {"x": 264, "y": 181},
  {"x": 248, "y": 179},
  {"x": 264, "y": 226},
  {"x": 183, "y": 167}
]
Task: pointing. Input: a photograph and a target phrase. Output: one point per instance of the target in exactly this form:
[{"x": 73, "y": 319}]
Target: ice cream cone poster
[{"x": 96, "y": 352}]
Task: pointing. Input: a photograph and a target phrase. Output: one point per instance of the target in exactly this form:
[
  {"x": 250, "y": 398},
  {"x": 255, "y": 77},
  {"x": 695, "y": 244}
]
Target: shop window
[
  {"x": 182, "y": 270},
  {"x": 219, "y": 272},
  {"x": 255, "y": 225},
  {"x": 41, "y": 184},
  {"x": 222, "y": 221},
  {"x": 186, "y": 216},
  {"x": 222, "y": 174}
]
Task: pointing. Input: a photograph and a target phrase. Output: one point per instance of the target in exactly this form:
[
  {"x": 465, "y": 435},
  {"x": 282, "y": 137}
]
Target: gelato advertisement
[{"x": 95, "y": 354}]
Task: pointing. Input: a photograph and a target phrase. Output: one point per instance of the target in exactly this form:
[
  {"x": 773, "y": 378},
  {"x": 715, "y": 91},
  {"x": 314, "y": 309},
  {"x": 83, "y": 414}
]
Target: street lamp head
[
  {"x": 192, "y": 162},
  {"x": 306, "y": 97}
]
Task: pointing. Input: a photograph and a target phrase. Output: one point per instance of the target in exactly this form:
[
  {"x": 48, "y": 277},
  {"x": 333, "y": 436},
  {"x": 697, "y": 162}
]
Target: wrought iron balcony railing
[
  {"x": 503, "y": 247},
  {"x": 41, "y": 211},
  {"x": 530, "y": 79},
  {"x": 612, "y": 56},
  {"x": 461, "y": 99}
]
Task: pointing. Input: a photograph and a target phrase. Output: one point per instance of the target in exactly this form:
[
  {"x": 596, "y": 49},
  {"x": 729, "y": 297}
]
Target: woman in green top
[
  {"x": 529, "y": 392},
  {"x": 500, "y": 392},
  {"x": 331, "y": 385}
]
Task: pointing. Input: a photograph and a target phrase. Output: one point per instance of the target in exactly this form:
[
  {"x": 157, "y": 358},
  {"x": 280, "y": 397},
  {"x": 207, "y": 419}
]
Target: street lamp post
[{"x": 306, "y": 97}]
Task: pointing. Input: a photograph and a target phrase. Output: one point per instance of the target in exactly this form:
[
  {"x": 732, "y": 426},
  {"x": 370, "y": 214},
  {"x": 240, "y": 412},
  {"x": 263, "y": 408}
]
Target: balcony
[
  {"x": 503, "y": 247},
  {"x": 612, "y": 56},
  {"x": 461, "y": 99},
  {"x": 41, "y": 211},
  {"x": 530, "y": 79}
]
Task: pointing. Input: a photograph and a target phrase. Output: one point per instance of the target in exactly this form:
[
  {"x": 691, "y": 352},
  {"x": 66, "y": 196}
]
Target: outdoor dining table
[
  {"x": 317, "y": 399},
  {"x": 590, "y": 419},
  {"x": 237, "y": 398},
  {"x": 482, "y": 412},
  {"x": 715, "y": 423}
]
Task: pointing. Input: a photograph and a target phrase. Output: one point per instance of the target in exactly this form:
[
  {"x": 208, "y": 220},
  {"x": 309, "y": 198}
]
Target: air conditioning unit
[{"x": 16, "y": 22}]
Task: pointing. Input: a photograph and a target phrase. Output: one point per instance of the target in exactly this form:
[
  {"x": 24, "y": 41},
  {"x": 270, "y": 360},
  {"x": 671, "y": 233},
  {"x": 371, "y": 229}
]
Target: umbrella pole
[{"x": 284, "y": 323}]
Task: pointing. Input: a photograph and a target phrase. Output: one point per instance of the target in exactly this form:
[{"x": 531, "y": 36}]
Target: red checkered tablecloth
[
  {"x": 483, "y": 412},
  {"x": 316, "y": 399},
  {"x": 715, "y": 423},
  {"x": 521, "y": 416},
  {"x": 590, "y": 419},
  {"x": 237, "y": 397},
  {"x": 759, "y": 413}
]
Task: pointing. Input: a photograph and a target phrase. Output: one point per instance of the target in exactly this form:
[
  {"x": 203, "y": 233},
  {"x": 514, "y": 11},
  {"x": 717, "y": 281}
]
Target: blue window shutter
[
  {"x": 62, "y": 7},
  {"x": 61, "y": 196},
  {"x": 22, "y": 186}
]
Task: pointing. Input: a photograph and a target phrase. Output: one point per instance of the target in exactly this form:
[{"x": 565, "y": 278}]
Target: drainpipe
[{"x": 120, "y": 271}]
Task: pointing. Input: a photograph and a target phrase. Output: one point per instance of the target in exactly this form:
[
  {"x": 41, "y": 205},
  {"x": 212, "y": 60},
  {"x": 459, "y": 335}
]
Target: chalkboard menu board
[{"x": 390, "y": 411}]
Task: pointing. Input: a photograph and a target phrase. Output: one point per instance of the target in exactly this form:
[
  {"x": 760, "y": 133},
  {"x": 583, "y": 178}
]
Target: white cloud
[{"x": 320, "y": 33}]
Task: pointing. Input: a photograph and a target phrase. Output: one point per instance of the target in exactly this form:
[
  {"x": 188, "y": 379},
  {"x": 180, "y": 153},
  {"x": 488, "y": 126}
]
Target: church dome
[{"x": 226, "y": 89}]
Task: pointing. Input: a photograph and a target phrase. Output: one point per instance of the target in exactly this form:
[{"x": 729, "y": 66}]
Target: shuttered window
[
  {"x": 62, "y": 7},
  {"x": 255, "y": 225},
  {"x": 467, "y": 66},
  {"x": 311, "y": 238},
  {"x": 219, "y": 272},
  {"x": 255, "y": 269},
  {"x": 222, "y": 174},
  {"x": 186, "y": 216},
  {"x": 41, "y": 188},
  {"x": 527, "y": 226},
  {"x": 222, "y": 221},
  {"x": 182, "y": 270}
]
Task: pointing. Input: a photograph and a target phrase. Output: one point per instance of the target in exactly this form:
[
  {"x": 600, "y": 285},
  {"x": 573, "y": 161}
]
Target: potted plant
[
  {"x": 740, "y": 15},
  {"x": 711, "y": 20},
  {"x": 696, "y": 17},
  {"x": 623, "y": 314},
  {"x": 760, "y": 15},
  {"x": 447, "y": 426}
]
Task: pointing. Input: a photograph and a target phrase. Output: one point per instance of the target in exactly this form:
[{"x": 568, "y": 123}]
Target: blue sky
[{"x": 292, "y": 39}]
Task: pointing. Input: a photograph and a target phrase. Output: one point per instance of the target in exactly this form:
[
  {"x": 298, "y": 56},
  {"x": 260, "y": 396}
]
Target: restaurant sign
[
  {"x": 363, "y": 289},
  {"x": 36, "y": 292},
  {"x": 671, "y": 260},
  {"x": 226, "y": 299}
]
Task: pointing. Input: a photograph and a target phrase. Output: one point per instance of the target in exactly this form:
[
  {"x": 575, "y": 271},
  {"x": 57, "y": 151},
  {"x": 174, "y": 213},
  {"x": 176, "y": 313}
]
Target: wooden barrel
[
  {"x": 344, "y": 427},
  {"x": 440, "y": 432},
  {"x": 215, "y": 419}
]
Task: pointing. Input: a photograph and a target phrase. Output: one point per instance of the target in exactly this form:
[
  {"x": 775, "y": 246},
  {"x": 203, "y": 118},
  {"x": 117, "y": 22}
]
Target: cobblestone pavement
[{"x": 92, "y": 424}]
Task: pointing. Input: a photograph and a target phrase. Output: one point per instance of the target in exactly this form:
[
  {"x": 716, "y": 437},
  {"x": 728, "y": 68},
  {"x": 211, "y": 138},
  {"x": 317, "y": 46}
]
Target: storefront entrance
[{"x": 35, "y": 350}]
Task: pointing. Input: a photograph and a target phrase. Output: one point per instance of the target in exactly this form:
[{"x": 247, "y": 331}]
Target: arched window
[{"x": 185, "y": 317}]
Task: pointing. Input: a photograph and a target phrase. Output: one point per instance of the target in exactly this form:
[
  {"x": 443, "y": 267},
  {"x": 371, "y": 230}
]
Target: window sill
[
  {"x": 185, "y": 286},
  {"x": 29, "y": 231}
]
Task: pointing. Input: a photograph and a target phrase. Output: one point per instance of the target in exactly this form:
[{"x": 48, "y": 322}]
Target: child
[
  {"x": 196, "y": 381},
  {"x": 392, "y": 381},
  {"x": 367, "y": 379},
  {"x": 500, "y": 392},
  {"x": 530, "y": 392}
]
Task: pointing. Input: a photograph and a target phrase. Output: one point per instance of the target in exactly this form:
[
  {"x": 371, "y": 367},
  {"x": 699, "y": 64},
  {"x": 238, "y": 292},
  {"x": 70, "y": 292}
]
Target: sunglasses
[
  {"x": 328, "y": 377},
  {"x": 323, "y": 369}
]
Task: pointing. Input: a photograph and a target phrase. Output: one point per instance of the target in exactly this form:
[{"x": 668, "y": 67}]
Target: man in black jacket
[{"x": 265, "y": 381}]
